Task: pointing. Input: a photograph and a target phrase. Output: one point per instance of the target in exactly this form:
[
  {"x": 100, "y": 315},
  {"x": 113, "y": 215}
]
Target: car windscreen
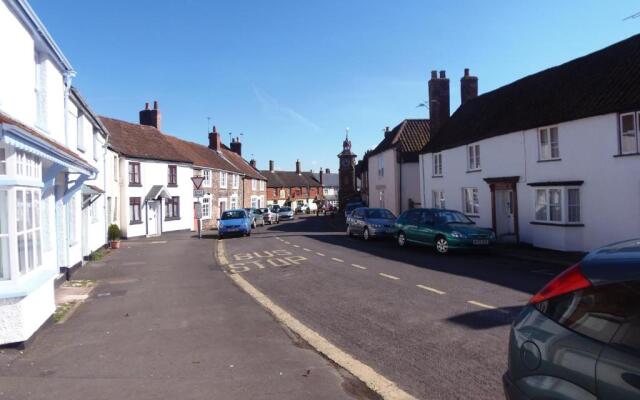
[
  {"x": 451, "y": 217},
  {"x": 236, "y": 214},
  {"x": 354, "y": 206},
  {"x": 285, "y": 209},
  {"x": 379, "y": 214}
]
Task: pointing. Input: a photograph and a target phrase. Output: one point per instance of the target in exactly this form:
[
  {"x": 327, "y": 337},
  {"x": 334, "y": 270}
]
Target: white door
[
  {"x": 153, "y": 218},
  {"x": 504, "y": 213}
]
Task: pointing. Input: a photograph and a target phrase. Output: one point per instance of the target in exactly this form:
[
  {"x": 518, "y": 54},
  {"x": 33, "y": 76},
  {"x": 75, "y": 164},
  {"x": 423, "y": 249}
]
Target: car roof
[{"x": 613, "y": 263}]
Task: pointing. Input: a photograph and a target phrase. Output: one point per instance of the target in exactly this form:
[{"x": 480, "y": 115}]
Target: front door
[
  {"x": 504, "y": 213},
  {"x": 153, "y": 218}
]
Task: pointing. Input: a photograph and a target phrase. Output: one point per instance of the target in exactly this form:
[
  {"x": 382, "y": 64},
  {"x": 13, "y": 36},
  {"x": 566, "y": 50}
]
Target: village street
[{"x": 437, "y": 326}]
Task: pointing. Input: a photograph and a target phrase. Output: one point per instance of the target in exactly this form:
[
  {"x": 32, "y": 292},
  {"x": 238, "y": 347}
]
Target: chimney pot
[
  {"x": 146, "y": 105},
  {"x": 236, "y": 146},
  {"x": 468, "y": 87},
  {"x": 466, "y": 72},
  {"x": 155, "y": 104},
  {"x": 443, "y": 74},
  {"x": 327, "y": 171},
  {"x": 214, "y": 140}
]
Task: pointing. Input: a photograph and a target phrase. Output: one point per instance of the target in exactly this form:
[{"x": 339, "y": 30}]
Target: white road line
[
  {"x": 477, "y": 303},
  {"x": 358, "y": 266},
  {"x": 287, "y": 243},
  {"x": 295, "y": 245},
  {"x": 159, "y": 242},
  {"x": 388, "y": 276},
  {"x": 320, "y": 254},
  {"x": 337, "y": 259},
  {"x": 305, "y": 249},
  {"x": 431, "y": 289}
]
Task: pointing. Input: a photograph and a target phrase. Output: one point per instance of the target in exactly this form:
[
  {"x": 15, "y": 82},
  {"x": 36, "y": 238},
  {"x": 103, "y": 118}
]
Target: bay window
[
  {"x": 558, "y": 205},
  {"x": 4, "y": 235},
  {"x": 28, "y": 229}
]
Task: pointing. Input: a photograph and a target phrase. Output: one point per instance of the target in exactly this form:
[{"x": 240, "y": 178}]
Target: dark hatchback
[{"x": 579, "y": 337}]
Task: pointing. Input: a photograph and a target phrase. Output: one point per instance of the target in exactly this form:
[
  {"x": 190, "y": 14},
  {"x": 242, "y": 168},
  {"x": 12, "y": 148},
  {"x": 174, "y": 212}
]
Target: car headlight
[
  {"x": 377, "y": 226},
  {"x": 457, "y": 235}
]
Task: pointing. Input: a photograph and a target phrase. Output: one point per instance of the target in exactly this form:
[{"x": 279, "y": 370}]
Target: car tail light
[{"x": 568, "y": 281}]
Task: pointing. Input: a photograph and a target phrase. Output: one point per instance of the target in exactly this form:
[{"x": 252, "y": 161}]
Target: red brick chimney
[
  {"x": 468, "y": 87},
  {"x": 438, "y": 100},
  {"x": 151, "y": 117},
  {"x": 236, "y": 146},
  {"x": 214, "y": 140}
]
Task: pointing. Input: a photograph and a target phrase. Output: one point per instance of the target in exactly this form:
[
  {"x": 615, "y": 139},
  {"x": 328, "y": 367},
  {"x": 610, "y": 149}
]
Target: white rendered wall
[
  {"x": 410, "y": 178},
  {"x": 387, "y": 183}
]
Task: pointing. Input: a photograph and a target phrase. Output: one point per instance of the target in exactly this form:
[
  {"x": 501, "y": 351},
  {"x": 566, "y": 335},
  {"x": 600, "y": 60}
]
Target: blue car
[{"x": 234, "y": 222}]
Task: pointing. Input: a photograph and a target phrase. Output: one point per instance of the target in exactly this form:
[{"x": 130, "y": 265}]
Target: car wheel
[
  {"x": 402, "y": 239},
  {"x": 253, "y": 224},
  {"x": 248, "y": 233},
  {"x": 365, "y": 234},
  {"x": 349, "y": 233},
  {"x": 442, "y": 245}
]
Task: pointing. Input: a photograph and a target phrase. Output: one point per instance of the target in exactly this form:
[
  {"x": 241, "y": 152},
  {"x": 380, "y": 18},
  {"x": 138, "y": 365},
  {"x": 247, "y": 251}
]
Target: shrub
[{"x": 114, "y": 232}]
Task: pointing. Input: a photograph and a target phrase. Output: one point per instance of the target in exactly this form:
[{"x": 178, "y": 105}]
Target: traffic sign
[
  {"x": 198, "y": 192},
  {"x": 197, "y": 182}
]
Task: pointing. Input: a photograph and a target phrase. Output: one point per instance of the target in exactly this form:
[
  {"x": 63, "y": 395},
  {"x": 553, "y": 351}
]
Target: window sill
[
  {"x": 470, "y": 171},
  {"x": 172, "y": 218},
  {"x": 626, "y": 154},
  {"x": 135, "y": 222},
  {"x": 172, "y": 185},
  {"x": 549, "y": 160},
  {"x": 437, "y": 176},
  {"x": 560, "y": 224},
  {"x": 135, "y": 185}
]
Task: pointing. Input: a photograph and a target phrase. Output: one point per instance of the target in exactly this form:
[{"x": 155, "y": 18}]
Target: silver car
[
  {"x": 269, "y": 216},
  {"x": 285, "y": 213},
  {"x": 256, "y": 217},
  {"x": 371, "y": 222}
]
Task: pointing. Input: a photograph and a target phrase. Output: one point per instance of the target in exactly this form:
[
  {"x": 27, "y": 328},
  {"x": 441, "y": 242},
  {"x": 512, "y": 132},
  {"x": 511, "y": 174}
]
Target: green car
[{"x": 443, "y": 229}]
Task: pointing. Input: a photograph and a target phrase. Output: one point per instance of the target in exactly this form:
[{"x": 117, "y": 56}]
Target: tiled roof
[
  {"x": 602, "y": 82},
  {"x": 5, "y": 119},
  {"x": 200, "y": 155},
  {"x": 289, "y": 179},
  {"x": 141, "y": 141},
  {"x": 409, "y": 136},
  {"x": 241, "y": 164}
]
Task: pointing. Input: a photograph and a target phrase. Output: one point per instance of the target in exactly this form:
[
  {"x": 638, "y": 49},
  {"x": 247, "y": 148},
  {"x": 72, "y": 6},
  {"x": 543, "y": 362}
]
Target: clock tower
[{"x": 347, "y": 173}]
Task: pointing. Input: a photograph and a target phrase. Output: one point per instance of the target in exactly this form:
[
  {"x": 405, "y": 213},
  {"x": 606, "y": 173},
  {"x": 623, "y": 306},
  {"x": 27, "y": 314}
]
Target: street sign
[
  {"x": 197, "y": 182},
  {"x": 198, "y": 192}
]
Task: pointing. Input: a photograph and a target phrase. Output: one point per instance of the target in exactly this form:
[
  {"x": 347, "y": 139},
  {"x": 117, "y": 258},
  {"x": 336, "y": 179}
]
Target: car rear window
[
  {"x": 233, "y": 214},
  {"x": 380, "y": 213},
  {"x": 599, "y": 312},
  {"x": 285, "y": 209}
]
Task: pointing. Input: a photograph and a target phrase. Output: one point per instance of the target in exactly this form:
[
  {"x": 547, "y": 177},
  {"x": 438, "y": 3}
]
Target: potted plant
[{"x": 114, "y": 236}]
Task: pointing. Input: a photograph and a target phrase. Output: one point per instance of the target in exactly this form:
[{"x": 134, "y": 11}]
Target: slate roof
[
  {"x": 6, "y": 119},
  {"x": 331, "y": 179},
  {"x": 141, "y": 141},
  {"x": 278, "y": 179},
  {"x": 602, "y": 82},
  {"x": 409, "y": 136},
  {"x": 200, "y": 155}
]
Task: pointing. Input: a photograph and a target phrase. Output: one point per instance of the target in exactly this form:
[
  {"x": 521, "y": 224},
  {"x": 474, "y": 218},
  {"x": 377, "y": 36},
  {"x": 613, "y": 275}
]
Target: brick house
[
  {"x": 292, "y": 188},
  {"x": 254, "y": 184}
]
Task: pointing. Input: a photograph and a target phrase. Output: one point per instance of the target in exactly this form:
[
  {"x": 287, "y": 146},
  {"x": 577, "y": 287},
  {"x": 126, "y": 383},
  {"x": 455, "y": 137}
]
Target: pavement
[
  {"x": 165, "y": 322},
  {"x": 436, "y": 326}
]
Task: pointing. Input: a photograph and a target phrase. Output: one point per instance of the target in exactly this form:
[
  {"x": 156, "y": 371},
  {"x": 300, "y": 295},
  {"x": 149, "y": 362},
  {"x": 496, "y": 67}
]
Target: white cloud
[{"x": 280, "y": 112}]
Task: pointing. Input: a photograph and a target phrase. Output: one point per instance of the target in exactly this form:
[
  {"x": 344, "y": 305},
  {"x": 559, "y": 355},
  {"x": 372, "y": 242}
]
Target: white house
[
  {"x": 551, "y": 159},
  {"x": 42, "y": 175},
  {"x": 154, "y": 179},
  {"x": 393, "y": 166}
]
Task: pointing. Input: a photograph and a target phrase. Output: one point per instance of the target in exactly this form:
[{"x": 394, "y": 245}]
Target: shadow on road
[
  {"x": 481, "y": 265},
  {"x": 486, "y": 319}
]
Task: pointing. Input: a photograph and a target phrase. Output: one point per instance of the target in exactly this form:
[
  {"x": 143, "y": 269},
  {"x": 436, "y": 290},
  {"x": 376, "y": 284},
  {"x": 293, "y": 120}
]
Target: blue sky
[{"x": 292, "y": 75}]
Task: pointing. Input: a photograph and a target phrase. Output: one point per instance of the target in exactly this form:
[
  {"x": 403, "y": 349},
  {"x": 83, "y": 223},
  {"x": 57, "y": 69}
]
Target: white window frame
[
  {"x": 471, "y": 201},
  {"x": 95, "y": 145},
  {"x": 235, "y": 181},
  {"x": 80, "y": 132},
  {"x": 437, "y": 164},
  {"x": 634, "y": 134},
  {"x": 438, "y": 199},
  {"x": 3, "y": 161},
  {"x": 116, "y": 168},
  {"x": 206, "y": 207},
  {"x": 206, "y": 174},
  {"x": 548, "y": 143},
  {"x": 254, "y": 184},
  {"x": 473, "y": 157},
  {"x": 262, "y": 185},
  {"x": 233, "y": 202},
  {"x": 5, "y": 239},
  {"x": 380, "y": 165},
  {"x": 223, "y": 180},
  {"x": 565, "y": 206}
]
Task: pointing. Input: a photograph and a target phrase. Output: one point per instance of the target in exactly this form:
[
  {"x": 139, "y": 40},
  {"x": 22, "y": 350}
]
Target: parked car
[
  {"x": 234, "y": 222},
  {"x": 285, "y": 213},
  {"x": 579, "y": 337},
  {"x": 256, "y": 217},
  {"x": 327, "y": 208},
  {"x": 442, "y": 229},
  {"x": 352, "y": 206},
  {"x": 371, "y": 222},
  {"x": 303, "y": 209},
  {"x": 269, "y": 216}
]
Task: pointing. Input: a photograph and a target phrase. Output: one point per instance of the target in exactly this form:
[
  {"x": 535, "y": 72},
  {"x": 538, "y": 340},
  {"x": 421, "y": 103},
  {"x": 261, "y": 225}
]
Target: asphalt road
[{"x": 436, "y": 325}]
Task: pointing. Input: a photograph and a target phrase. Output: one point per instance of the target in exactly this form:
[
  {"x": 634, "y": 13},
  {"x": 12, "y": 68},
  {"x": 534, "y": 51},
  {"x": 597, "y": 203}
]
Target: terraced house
[
  {"x": 52, "y": 211},
  {"x": 292, "y": 188},
  {"x": 551, "y": 159}
]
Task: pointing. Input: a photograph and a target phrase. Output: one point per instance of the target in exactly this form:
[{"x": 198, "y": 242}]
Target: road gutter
[{"x": 375, "y": 381}]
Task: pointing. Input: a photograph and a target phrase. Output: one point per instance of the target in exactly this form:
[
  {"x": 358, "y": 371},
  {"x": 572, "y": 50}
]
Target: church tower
[{"x": 347, "y": 173}]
